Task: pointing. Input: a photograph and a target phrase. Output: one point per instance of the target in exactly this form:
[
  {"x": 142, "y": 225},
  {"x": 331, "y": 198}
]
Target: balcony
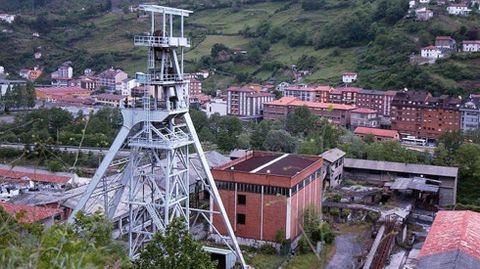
[{"x": 159, "y": 41}]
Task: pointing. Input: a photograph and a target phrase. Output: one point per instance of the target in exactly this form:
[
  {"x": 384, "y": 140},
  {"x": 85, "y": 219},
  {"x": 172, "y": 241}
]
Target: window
[
  {"x": 240, "y": 218},
  {"x": 241, "y": 199}
]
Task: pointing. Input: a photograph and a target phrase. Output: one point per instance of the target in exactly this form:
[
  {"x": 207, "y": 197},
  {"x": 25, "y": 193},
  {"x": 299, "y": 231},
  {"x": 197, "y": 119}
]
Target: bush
[
  {"x": 337, "y": 197},
  {"x": 323, "y": 233},
  {"x": 267, "y": 250},
  {"x": 303, "y": 245},
  {"x": 55, "y": 166}
]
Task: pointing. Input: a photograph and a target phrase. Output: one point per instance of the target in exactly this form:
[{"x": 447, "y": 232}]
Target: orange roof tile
[
  {"x": 454, "y": 230},
  {"x": 12, "y": 174},
  {"x": 376, "y": 132},
  {"x": 30, "y": 213}
]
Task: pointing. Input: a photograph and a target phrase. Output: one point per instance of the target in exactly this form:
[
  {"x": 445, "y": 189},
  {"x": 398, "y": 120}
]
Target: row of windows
[
  {"x": 268, "y": 190},
  {"x": 253, "y": 188}
]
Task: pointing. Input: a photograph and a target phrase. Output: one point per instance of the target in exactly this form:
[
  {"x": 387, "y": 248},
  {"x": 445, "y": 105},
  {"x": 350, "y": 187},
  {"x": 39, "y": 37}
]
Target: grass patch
[{"x": 311, "y": 261}]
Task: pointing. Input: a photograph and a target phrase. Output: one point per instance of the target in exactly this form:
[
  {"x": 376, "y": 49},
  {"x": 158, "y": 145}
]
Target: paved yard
[{"x": 347, "y": 247}]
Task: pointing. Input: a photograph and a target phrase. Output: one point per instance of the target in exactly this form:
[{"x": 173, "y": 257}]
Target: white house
[
  {"x": 471, "y": 46},
  {"x": 37, "y": 55},
  {"x": 458, "y": 9},
  {"x": 349, "y": 77},
  {"x": 204, "y": 73},
  {"x": 424, "y": 1},
  {"x": 217, "y": 105},
  {"x": 7, "y": 18},
  {"x": 2, "y": 70},
  {"x": 431, "y": 52},
  {"x": 127, "y": 85},
  {"x": 423, "y": 14},
  {"x": 411, "y": 4}
]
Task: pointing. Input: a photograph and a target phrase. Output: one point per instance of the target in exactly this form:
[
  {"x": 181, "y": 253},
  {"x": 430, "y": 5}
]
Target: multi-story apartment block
[
  {"x": 470, "y": 114},
  {"x": 380, "y": 101},
  {"x": 336, "y": 113},
  {"x": 195, "y": 87},
  {"x": 421, "y": 115},
  {"x": 246, "y": 102},
  {"x": 265, "y": 192},
  {"x": 112, "y": 79},
  {"x": 301, "y": 92}
]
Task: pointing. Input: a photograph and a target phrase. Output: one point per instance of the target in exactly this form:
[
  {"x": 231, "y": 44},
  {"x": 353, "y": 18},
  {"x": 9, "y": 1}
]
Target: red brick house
[
  {"x": 266, "y": 192},
  {"x": 33, "y": 214}
]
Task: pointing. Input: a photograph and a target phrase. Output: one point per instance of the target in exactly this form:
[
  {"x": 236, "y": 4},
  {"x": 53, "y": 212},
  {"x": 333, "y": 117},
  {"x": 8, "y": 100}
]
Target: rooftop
[
  {"x": 420, "y": 169},
  {"x": 376, "y": 132},
  {"x": 293, "y": 101},
  {"x": 30, "y": 213},
  {"x": 62, "y": 90},
  {"x": 281, "y": 164},
  {"x": 39, "y": 177},
  {"x": 364, "y": 110},
  {"x": 332, "y": 155},
  {"x": 453, "y": 241}
]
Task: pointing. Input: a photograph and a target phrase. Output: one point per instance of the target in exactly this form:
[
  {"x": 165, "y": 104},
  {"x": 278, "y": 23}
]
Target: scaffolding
[{"x": 154, "y": 181}]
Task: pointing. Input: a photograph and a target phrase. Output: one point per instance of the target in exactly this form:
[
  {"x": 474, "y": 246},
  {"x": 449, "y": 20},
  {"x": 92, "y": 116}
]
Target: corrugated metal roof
[{"x": 421, "y": 169}]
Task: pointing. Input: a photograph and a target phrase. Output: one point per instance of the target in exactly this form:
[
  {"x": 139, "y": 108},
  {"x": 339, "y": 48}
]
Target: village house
[
  {"x": 364, "y": 117},
  {"x": 34, "y": 214},
  {"x": 445, "y": 43},
  {"x": 37, "y": 55},
  {"x": 458, "y": 9},
  {"x": 423, "y": 14},
  {"x": 431, "y": 52},
  {"x": 127, "y": 85},
  {"x": 266, "y": 192},
  {"x": 424, "y": 2},
  {"x": 8, "y": 18},
  {"x": 63, "y": 75},
  {"x": 471, "y": 46},
  {"x": 311, "y": 94},
  {"x": 349, "y": 77},
  {"x": 378, "y": 134}
]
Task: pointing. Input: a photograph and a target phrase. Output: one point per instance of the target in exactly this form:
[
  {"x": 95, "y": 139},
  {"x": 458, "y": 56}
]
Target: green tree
[
  {"x": 280, "y": 140},
  {"x": 175, "y": 250},
  {"x": 300, "y": 121},
  {"x": 259, "y": 134}
]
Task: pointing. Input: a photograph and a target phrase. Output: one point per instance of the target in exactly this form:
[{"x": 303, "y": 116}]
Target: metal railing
[
  {"x": 149, "y": 78},
  {"x": 151, "y": 41}
]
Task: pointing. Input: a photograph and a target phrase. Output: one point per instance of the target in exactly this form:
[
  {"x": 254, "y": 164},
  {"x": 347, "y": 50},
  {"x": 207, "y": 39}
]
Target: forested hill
[{"x": 326, "y": 37}]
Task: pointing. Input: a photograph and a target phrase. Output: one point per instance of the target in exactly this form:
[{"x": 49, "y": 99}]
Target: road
[
  {"x": 347, "y": 247},
  {"x": 96, "y": 151}
]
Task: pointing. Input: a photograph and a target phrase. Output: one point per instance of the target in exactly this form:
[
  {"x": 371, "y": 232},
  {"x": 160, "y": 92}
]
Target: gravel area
[{"x": 347, "y": 247}]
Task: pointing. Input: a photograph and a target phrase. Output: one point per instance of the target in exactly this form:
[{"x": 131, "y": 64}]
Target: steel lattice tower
[{"x": 154, "y": 179}]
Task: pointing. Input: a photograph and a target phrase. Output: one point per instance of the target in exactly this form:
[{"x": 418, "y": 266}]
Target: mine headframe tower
[{"x": 152, "y": 186}]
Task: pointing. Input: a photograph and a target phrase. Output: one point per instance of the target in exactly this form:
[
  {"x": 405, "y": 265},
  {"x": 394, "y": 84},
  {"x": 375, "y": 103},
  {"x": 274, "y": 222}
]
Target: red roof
[
  {"x": 454, "y": 230},
  {"x": 351, "y": 89},
  {"x": 431, "y": 47},
  {"x": 30, "y": 213},
  {"x": 63, "y": 90},
  {"x": 376, "y": 132},
  {"x": 293, "y": 101},
  {"x": 6, "y": 173},
  {"x": 471, "y": 42},
  {"x": 444, "y": 38},
  {"x": 364, "y": 110},
  {"x": 349, "y": 74}
]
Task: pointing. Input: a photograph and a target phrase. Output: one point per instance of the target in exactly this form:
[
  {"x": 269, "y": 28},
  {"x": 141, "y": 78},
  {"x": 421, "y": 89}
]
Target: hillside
[{"x": 372, "y": 37}]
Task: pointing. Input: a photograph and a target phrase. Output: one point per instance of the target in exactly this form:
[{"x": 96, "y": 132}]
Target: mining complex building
[{"x": 266, "y": 192}]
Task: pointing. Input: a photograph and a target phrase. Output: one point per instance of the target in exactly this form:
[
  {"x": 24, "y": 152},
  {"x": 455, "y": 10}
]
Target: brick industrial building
[
  {"x": 265, "y": 192},
  {"x": 336, "y": 113},
  {"x": 421, "y": 115}
]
